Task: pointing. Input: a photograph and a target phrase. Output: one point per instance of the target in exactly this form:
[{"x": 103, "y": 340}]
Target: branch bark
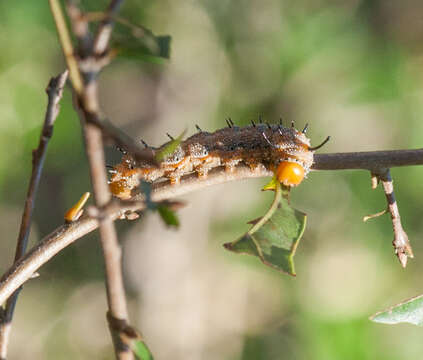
[
  {"x": 83, "y": 72},
  {"x": 401, "y": 243},
  {"x": 54, "y": 93},
  {"x": 369, "y": 160},
  {"x": 67, "y": 234},
  {"x": 92, "y": 58}
]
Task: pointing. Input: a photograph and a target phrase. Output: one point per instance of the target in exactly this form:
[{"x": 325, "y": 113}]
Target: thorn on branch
[
  {"x": 76, "y": 211},
  {"x": 375, "y": 180},
  {"x": 401, "y": 244},
  {"x": 35, "y": 275},
  {"x": 374, "y": 216}
]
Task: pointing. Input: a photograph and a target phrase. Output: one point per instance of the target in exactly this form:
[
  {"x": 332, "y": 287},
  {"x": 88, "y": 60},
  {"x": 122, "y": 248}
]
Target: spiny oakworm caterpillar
[{"x": 284, "y": 150}]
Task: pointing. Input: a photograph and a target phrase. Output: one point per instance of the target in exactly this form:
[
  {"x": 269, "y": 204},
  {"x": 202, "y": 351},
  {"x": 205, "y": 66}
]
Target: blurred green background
[{"x": 352, "y": 69}]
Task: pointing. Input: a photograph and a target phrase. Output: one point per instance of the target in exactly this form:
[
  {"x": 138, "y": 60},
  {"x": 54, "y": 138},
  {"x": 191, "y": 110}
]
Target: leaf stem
[{"x": 272, "y": 209}]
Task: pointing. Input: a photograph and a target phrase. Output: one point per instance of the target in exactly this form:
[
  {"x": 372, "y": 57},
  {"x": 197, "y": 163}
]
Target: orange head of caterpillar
[
  {"x": 290, "y": 173},
  {"x": 293, "y": 147}
]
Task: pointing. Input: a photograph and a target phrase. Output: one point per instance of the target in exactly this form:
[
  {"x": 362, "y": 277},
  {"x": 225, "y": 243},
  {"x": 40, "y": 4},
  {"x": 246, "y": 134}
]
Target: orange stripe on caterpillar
[{"x": 285, "y": 151}]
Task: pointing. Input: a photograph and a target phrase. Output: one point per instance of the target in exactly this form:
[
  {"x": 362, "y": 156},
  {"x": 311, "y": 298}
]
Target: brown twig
[
  {"x": 379, "y": 162},
  {"x": 90, "y": 62},
  {"x": 401, "y": 244},
  {"x": 121, "y": 140},
  {"x": 370, "y": 160},
  {"x": 54, "y": 93},
  {"x": 102, "y": 38},
  {"x": 86, "y": 90},
  {"x": 112, "y": 252},
  {"x": 66, "y": 235}
]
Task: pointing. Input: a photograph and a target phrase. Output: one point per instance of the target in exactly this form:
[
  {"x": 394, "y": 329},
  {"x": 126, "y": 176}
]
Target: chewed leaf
[
  {"x": 275, "y": 236},
  {"x": 170, "y": 147},
  {"x": 409, "y": 311}
]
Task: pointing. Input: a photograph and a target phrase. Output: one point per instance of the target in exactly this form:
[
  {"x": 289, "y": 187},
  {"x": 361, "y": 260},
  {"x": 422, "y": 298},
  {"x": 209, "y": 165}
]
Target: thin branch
[
  {"x": 92, "y": 60},
  {"x": 379, "y": 162},
  {"x": 370, "y": 160},
  {"x": 102, "y": 38},
  {"x": 90, "y": 63},
  {"x": 79, "y": 26},
  {"x": 401, "y": 244},
  {"x": 43, "y": 251},
  {"x": 121, "y": 139},
  {"x": 112, "y": 251},
  {"x": 54, "y": 93},
  {"x": 66, "y": 235}
]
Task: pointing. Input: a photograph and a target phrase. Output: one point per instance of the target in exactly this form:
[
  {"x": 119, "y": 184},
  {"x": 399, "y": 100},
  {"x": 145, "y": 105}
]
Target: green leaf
[
  {"x": 141, "y": 350},
  {"x": 139, "y": 43},
  {"x": 274, "y": 237},
  {"x": 409, "y": 311},
  {"x": 169, "y": 148},
  {"x": 168, "y": 216}
]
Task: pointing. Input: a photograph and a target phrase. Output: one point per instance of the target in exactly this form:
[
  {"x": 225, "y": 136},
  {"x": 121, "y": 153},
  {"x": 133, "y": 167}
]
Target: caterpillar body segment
[{"x": 286, "y": 151}]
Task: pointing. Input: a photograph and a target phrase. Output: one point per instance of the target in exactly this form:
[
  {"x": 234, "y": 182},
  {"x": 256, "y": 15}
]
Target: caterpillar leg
[
  {"x": 203, "y": 165},
  {"x": 231, "y": 164},
  {"x": 175, "y": 180},
  {"x": 202, "y": 172}
]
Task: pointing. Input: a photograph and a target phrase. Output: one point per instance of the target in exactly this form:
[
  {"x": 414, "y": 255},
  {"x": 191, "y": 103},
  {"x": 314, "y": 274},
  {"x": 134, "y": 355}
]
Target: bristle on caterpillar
[{"x": 284, "y": 150}]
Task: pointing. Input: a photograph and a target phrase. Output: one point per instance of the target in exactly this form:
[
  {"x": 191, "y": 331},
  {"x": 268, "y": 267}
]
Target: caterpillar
[{"x": 284, "y": 150}]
